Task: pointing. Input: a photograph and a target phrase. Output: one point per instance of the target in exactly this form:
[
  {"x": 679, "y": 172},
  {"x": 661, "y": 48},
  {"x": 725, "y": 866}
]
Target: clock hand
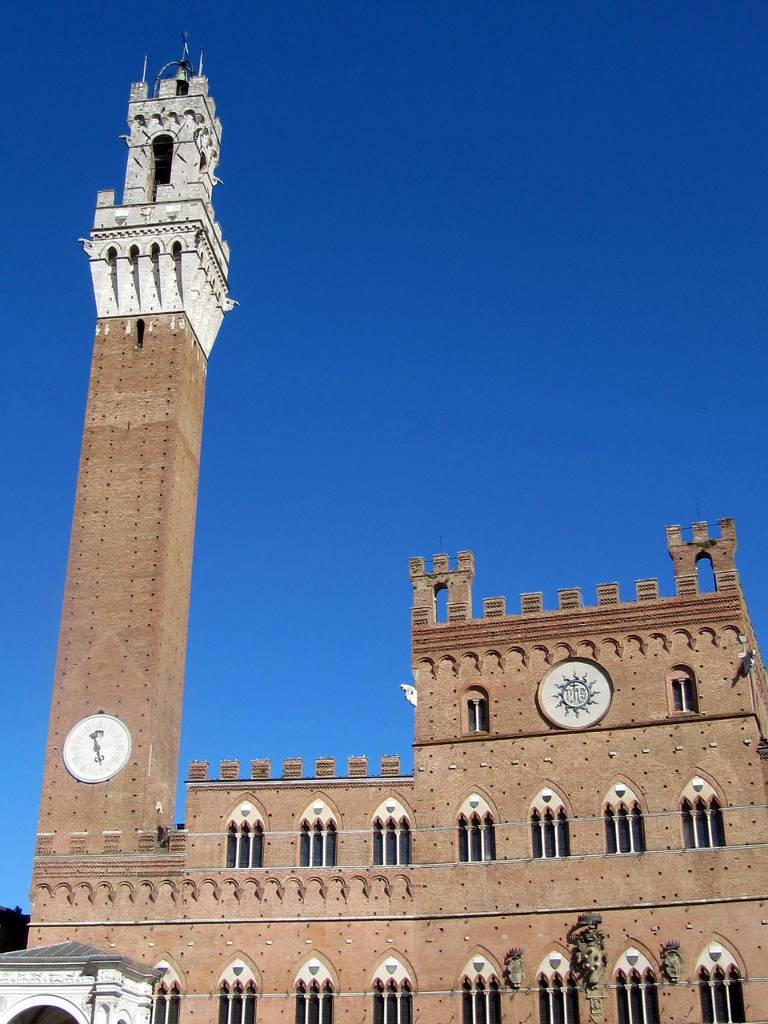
[{"x": 96, "y": 746}]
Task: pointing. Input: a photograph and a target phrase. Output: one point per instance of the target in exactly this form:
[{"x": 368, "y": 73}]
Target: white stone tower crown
[{"x": 161, "y": 251}]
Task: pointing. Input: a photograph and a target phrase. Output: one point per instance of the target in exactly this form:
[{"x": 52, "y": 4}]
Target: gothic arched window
[
  {"x": 550, "y": 832},
  {"x": 166, "y": 1003},
  {"x": 317, "y": 837},
  {"x": 245, "y": 838},
  {"x": 558, "y": 999},
  {"x": 391, "y": 841},
  {"x": 237, "y": 1002},
  {"x": 637, "y": 997},
  {"x": 480, "y": 993},
  {"x": 624, "y": 828},
  {"x": 721, "y": 995},
  {"x": 702, "y": 818},
  {"x": 392, "y": 1002},
  {"x": 314, "y": 1002},
  {"x": 392, "y": 993},
  {"x": 477, "y": 838}
]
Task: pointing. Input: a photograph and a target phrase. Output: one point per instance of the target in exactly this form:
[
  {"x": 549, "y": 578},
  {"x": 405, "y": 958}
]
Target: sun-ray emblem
[{"x": 576, "y": 694}]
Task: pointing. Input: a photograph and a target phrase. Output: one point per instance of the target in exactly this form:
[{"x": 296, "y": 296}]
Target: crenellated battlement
[
  {"x": 685, "y": 554},
  {"x": 457, "y": 581},
  {"x": 260, "y": 769}
]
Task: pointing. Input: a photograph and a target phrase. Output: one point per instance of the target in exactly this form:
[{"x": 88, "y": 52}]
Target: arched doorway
[
  {"x": 42, "y": 1010},
  {"x": 43, "y": 1015}
]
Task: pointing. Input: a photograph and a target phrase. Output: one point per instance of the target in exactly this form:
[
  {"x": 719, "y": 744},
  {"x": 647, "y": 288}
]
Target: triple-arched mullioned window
[
  {"x": 558, "y": 991},
  {"x": 623, "y": 821},
  {"x": 637, "y": 992},
  {"x": 237, "y": 1002},
  {"x": 392, "y": 993},
  {"x": 315, "y": 994},
  {"x": 476, "y": 831},
  {"x": 480, "y": 992},
  {"x": 391, "y": 834},
  {"x": 550, "y": 831},
  {"x": 702, "y": 816},
  {"x": 238, "y": 992},
  {"x": 720, "y": 986},
  {"x": 317, "y": 837},
  {"x": 245, "y": 838}
]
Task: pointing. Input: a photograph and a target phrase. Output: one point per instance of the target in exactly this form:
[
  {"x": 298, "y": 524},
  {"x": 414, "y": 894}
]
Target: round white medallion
[
  {"x": 97, "y": 748},
  {"x": 575, "y": 694}
]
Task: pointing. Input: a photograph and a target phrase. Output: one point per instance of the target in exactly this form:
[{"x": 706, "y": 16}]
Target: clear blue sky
[{"x": 502, "y": 281}]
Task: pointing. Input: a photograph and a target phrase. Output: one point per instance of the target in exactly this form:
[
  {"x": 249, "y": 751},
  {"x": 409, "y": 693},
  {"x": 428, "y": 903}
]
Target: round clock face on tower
[
  {"x": 97, "y": 748},
  {"x": 575, "y": 694}
]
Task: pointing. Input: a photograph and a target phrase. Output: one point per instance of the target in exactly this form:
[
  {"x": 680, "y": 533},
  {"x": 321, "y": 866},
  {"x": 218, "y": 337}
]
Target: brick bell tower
[{"x": 159, "y": 267}]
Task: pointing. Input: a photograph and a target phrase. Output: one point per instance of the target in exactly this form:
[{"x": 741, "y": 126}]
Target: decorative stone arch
[
  {"x": 487, "y": 661},
  {"x": 316, "y": 967},
  {"x": 394, "y": 966},
  {"x": 708, "y": 635},
  {"x": 633, "y": 644},
  {"x": 636, "y": 957},
  {"x": 322, "y": 809},
  {"x": 729, "y": 636},
  {"x": 447, "y": 663},
  {"x": 539, "y": 656},
  {"x": 612, "y": 794},
  {"x": 702, "y": 784},
  {"x": 721, "y": 952},
  {"x": 209, "y": 887},
  {"x": 550, "y": 796},
  {"x": 517, "y": 657},
  {"x": 477, "y": 802},
  {"x": 469, "y": 664},
  {"x": 42, "y": 1001},
  {"x": 248, "y": 810},
  {"x": 661, "y": 640},
  {"x": 173, "y": 972},
  {"x": 561, "y": 652},
  {"x": 425, "y": 665},
  {"x": 556, "y": 962},
  {"x": 611, "y": 647},
  {"x": 682, "y": 640},
  {"x": 240, "y": 968},
  {"x": 587, "y": 649},
  {"x": 394, "y": 807},
  {"x": 104, "y": 253},
  {"x": 483, "y": 965}
]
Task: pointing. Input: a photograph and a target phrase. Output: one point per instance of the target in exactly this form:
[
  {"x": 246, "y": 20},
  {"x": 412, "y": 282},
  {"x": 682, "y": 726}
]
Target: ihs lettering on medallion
[{"x": 576, "y": 694}]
